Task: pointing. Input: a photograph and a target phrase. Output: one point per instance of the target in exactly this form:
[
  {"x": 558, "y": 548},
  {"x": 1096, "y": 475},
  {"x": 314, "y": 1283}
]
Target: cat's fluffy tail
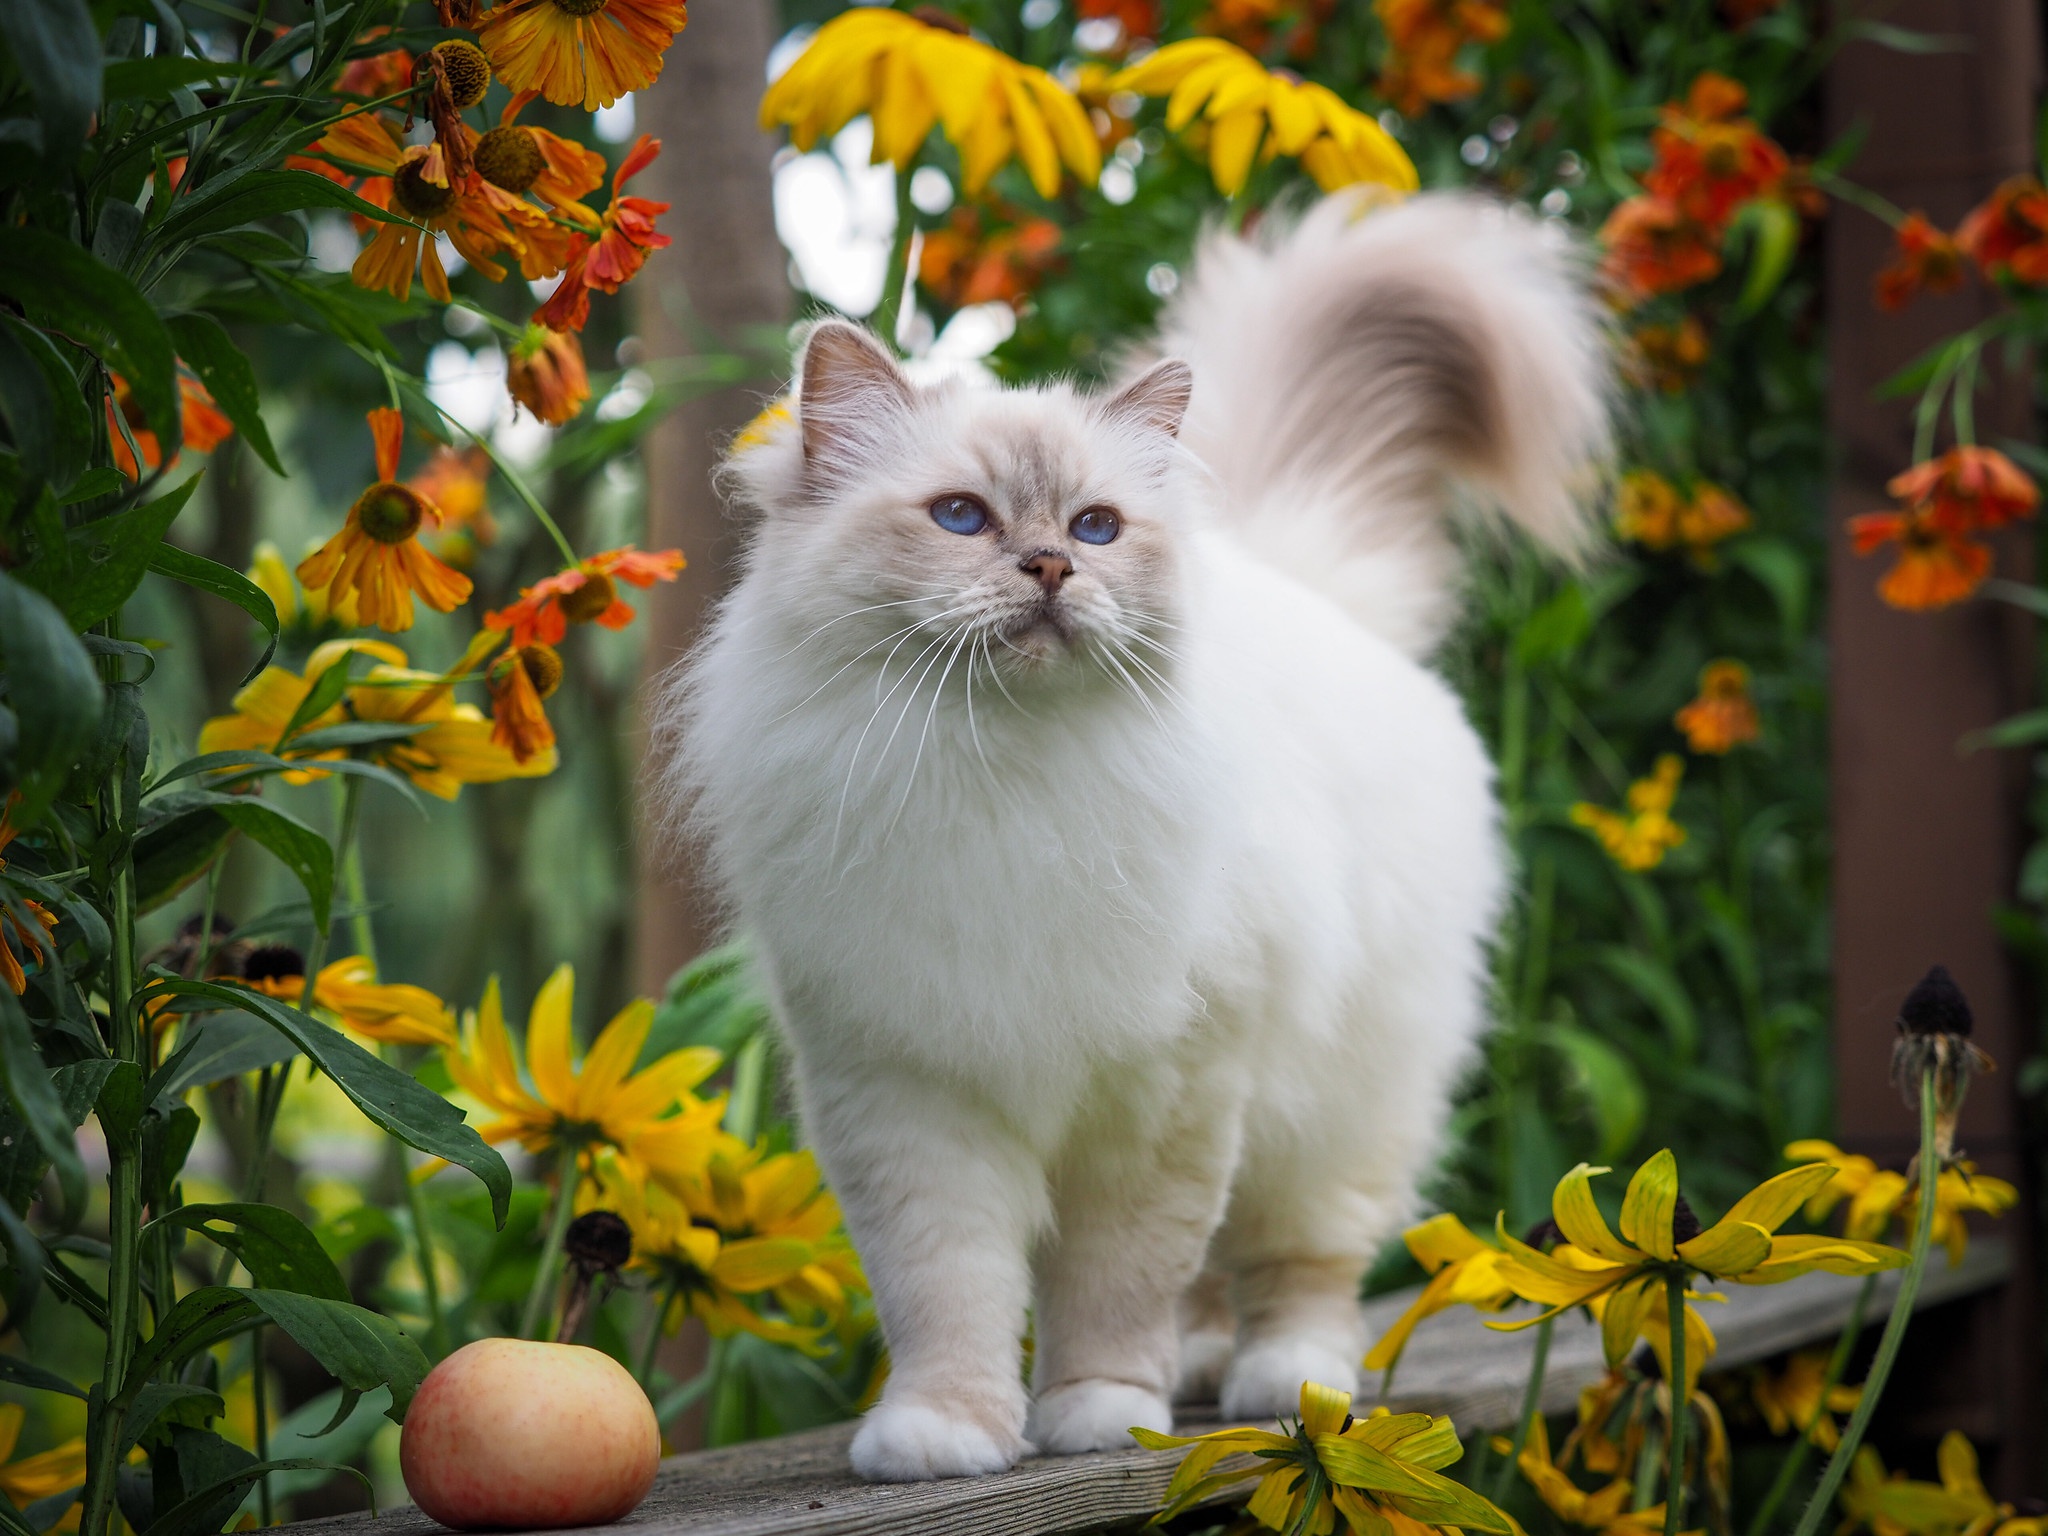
[{"x": 1356, "y": 370}]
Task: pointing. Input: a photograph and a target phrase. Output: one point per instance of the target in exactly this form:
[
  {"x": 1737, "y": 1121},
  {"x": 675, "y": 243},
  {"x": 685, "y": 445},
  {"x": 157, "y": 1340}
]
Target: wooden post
[
  {"x": 1926, "y": 835},
  {"x": 721, "y": 283}
]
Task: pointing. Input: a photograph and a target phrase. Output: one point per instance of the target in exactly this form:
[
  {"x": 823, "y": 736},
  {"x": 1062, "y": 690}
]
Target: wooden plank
[{"x": 800, "y": 1485}]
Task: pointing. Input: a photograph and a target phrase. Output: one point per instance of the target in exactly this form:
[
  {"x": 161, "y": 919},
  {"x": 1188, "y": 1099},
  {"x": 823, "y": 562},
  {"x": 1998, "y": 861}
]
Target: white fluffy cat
[{"x": 1122, "y": 878}]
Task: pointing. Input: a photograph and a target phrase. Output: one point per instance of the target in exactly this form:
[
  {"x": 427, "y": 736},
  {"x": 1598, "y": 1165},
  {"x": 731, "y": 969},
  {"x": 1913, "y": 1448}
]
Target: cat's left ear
[
  {"x": 851, "y": 388},
  {"x": 1157, "y": 398}
]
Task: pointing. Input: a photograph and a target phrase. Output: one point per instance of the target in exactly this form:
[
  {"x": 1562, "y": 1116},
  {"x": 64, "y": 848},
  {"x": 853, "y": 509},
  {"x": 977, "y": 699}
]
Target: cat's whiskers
[
  {"x": 917, "y": 759},
  {"x": 901, "y": 602},
  {"x": 839, "y": 821}
]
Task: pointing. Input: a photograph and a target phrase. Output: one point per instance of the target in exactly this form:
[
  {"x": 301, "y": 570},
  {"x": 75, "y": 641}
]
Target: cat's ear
[
  {"x": 850, "y": 385},
  {"x": 1157, "y": 398}
]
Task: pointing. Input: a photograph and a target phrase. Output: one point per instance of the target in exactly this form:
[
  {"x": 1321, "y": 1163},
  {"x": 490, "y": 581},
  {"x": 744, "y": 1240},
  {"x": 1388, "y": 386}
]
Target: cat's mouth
[{"x": 1041, "y": 632}]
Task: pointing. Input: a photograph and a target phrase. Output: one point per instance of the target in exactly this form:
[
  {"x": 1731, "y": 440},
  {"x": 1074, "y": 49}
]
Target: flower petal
[
  {"x": 548, "y": 1031},
  {"x": 1579, "y": 1218},
  {"x": 1647, "y": 1209}
]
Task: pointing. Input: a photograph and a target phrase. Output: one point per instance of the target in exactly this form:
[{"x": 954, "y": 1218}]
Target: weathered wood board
[{"x": 801, "y": 1485}]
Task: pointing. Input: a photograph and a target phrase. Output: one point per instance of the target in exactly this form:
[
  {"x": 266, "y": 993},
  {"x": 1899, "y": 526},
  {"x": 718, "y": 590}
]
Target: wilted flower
[
  {"x": 1933, "y": 1041},
  {"x": 545, "y": 373},
  {"x": 2007, "y": 234},
  {"x": 1798, "y": 1399},
  {"x": 519, "y": 680},
  {"x": 911, "y": 74},
  {"x": 1607, "y": 1510},
  {"x": 1724, "y": 715},
  {"x": 1959, "y": 1505},
  {"x": 1248, "y": 109},
  {"x": 586, "y": 593},
  {"x": 1946, "y": 502},
  {"x": 1877, "y": 1195},
  {"x": 625, "y": 238},
  {"x": 1424, "y": 38},
  {"x": 1464, "y": 1270},
  {"x": 1638, "y": 838},
  {"x": 577, "y": 53},
  {"x": 1927, "y": 260}
]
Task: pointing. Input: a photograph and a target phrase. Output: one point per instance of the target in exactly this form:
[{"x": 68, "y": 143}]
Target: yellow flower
[
  {"x": 1639, "y": 838},
  {"x": 1243, "y": 103},
  {"x": 1649, "y": 510},
  {"x": 910, "y": 75},
  {"x": 1379, "y": 1473},
  {"x": 1896, "y": 1505},
  {"x": 38, "y": 1477},
  {"x": 266, "y": 705},
  {"x": 391, "y": 1013},
  {"x": 1661, "y": 1240},
  {"x": 772, "y": 419},
  {"x": 1606, "y": 1511},
  {"x": 1876, "y": 1195},
  {"x": 1464, "y": 1270},
  {"x": 604, "y": 1103},
  {"x": 577, "y": 53},
  {"x": 1793, "y": 1398}
]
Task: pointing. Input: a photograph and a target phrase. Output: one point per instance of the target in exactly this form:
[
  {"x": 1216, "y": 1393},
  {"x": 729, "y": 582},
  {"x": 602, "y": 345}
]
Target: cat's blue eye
[
  {"x": 960, "y": 514},
  {"x": 1096, "y": 525}
]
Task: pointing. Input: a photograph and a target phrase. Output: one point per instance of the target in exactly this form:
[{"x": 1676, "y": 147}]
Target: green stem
[
  {"x": 749, "y": 1089},
  {"x": 653, "y": 1345},
  {"x": 1894, "y": 1329},
  {"x": 568, "y": 1178},
  {"x": 1532, "y": 1404},
  {"x": 1795, "y": 1457},
  {"x": 896, "y": 275},
  {"x": 264, "y": 1513},
  {"x": 1681, "y": 1405}
]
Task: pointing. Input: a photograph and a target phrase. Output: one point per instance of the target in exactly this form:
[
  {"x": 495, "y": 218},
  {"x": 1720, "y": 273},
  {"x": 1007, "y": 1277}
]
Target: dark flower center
[
  {"x": 543, "y": 664},
  {"x": 509, "y": 156},
  {"x": 599, "y": 1241},
  {"x": 1936, "y": 1006},
  {"x": 273, "y": 962},
  {"x": 1685, "y": 1226},
  {"x": 389, "y": 513},
  {"x": 465, "y": 69},
  {"x": 416, "y": 195},
  {"x": 581, "y": 7},
  {"x": 589, "y": 600}
]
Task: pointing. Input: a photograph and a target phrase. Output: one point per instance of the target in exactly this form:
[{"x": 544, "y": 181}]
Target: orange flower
[
  {"x": 1138, "y": 18},
  {"x": 379, "y": 75},
  {"x": 201, "y": 424},
  {"x": 536, "y": 163},
  {"x": 456, "y": 482},
  {"x": 1937, "y": 565},
  {"x": 14, "y": 929},
  {"x": 1927, "y": 259},
  {"x": 1710, "y": 161},
  {"x": 625, "y": 238},
  {"x": 1653, "y": 248},
  {"x": 519, "y": 680},
  {"x": 1250, "y": 24},
  {"x": 1423, "y": 41},
  {"x": 2007, "y": 234},
  {"x": 545, "y": 374},
  {"x": 1651, "y": 511},
  {"x": 964, "y": 264},
  {"x": 1670, "y": 357},
  {"x": 586, "y": 593},
  {"x": 1968, "y": 489},
  {"x": 416, "y": 183},
  {"x": 1724, "y": 715},
  {"x": 377, "y": 557},
  {"x": 456, "y": 75},
  {"x": 580, "y": 53}
]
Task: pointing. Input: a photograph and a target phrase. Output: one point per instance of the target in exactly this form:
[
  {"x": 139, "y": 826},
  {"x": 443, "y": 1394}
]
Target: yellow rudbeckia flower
[
  {"x": 391, "y": 1013},
  {"x": 1798, "y": 1398},
  {"x": 1661, "y": 1240},
  {"x": 911, "y": 75},
  {"x": 601, "y": 1103},
  {"x": 1895, "y": 1505},
  {"x": 1375, "y": 1474},
  {"x": 1606, "y": 1510},
  {"x": 1245, "y": 105},
  {"x": 40, "y": 1476},
  {"x": 1876, "y": 1195},
  {"x": 1464, "y": 1270}
]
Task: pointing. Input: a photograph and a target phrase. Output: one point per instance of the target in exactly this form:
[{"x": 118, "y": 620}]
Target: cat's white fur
[{"x": 1140, "y": 928}]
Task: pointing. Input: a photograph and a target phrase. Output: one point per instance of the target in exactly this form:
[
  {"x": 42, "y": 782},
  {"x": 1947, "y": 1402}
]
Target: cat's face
[{"x": 1035, "y": 530}]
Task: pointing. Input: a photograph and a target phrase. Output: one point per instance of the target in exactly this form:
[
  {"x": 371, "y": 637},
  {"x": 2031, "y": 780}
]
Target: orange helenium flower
[
  {"x": 1711, "y": 160},
  {"x": 455, "y": 481},
  {"x": 536, "y": 163},
  {"x": 625, "y": 238},
  {"x": 1927, "y": 259},
  {"x": 1969, "y": 489},
  {"x": 2007, "y": 234},
  {"x": 1937, "y": 565},
  {"x": 15, "y": 929},
  {"x": 586, "y": 593},
  {"x": 1724, "y": 715},
  {"x": 1650, "y": 511},
  {"x": 1670, "y": 357},
  {"x": 585, "y": 53},
  {"x": 1423, "y": 41},
  {"x": 377, "y": 556},
  {"x": 545, "y": 374},
  {"x": 202, "y": 425},
  {"x": 519, "y": 680},
  {"x": 965, "y": 263},
  {"x": 1653, "y": 248}
]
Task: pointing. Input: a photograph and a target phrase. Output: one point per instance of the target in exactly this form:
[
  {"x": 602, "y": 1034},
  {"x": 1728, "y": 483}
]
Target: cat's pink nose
[{"x": 1050, "y": 567}]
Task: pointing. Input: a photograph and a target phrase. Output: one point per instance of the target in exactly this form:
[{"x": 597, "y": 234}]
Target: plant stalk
[
  {"x": 265, "y": 1515},
  {"x": 1795, "y": 1457},
  {"x": 1532, "y": 1404},
  {"x": 1894, "y": 1329},
  {"x": 1681, "y": 1406},
  {"x": 567, "y": 1180},
  {"x": 653, "y": 1344}
]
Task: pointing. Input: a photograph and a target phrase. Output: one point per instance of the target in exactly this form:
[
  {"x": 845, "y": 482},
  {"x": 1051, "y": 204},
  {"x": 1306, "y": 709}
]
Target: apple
[{"x": 514, "y": 1434}]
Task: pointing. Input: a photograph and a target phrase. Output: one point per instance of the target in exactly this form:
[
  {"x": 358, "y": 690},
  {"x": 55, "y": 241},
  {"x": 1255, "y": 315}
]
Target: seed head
[
  {"x": 389, "y": 512},
  {"x": 543, "y": 664},
  {"x": 465, "y": 69},
  {"x": 509, "y": 156},
  {"x": 1685, "y": 1226},
  {"x": 589, "y": 600},
  {"x": 273, "y": 962}
]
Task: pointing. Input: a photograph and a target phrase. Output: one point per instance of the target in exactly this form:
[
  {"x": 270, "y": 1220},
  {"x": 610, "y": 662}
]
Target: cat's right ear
[{"x": 850, "y": 390}]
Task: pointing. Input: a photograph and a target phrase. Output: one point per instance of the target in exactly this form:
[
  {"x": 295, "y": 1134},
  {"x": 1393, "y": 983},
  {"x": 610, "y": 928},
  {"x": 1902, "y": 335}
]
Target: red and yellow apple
[{"x": 509, "y": 1433}]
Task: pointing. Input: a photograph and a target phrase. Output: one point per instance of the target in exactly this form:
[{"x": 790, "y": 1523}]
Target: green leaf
[
  {"x": 2021, "y": 730},
  {"x": 205, "y": 1508},
  {"x": 174, "y": 852},
  {"x": 62, "y": 284},
  {"x": 713, "y": 1001},
  {"x": 70, "y": 425},
  {"x": 1654, "y": 983},
  {"x": 53, "y": 689},
  {"x": 272, "y": 1244},
  {"x": 94, "y": 483},
  {"x": 103, "y": 561},
  {"x": 1608, "y": 1083},
  {"x": 349, "y": 733},
  {"x": 226, "y": 372},
  {"x": 297, "y": 846},
  {"x": 1781, "y": 571},
  {"x": 35, "y": 1099},
  {"x": 208, "y": 576},
  {"x": 56, "y": 48},
  {"x": 263, "y": 195},
  {"x": 1773, "y": 228},
  {"x": 224, "y": 1045},
  {"x": 26, "y": 1373},
  {"x": 152, "y": 79},
  {"x": 392, "y": 1099},
  {"x": 162, "y": 1405},
  {"x": 1556, "y": 629},
  {"x": 325, "y": 693}
]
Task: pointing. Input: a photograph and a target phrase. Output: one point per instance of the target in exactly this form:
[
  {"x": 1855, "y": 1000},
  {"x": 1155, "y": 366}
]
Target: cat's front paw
[
  {"x": 1265, "y": 1377},
  {"x": 1094, "y": 1415},
  {"x": 912, "y": 1443}
]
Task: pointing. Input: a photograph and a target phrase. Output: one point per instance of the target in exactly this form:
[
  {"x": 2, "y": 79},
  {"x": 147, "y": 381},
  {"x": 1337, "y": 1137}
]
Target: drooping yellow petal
[
  {"x": 1727, "y": 1248},
  {"x": 1622, "y": 1312},
  {"x": 1799, "y": 1254},
  {"x": 756, "y": 1263},
  {"x": 1578, "y": 1217},
  {"x": 1647, "y": 1208}
]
